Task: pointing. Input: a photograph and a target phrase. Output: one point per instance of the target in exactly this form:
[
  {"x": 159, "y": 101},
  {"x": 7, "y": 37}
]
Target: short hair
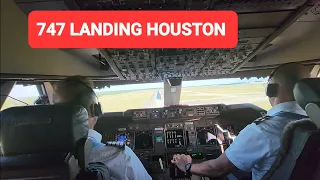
[
  {"x": 76, "y": 89},
  {"x": 287, "y": 75},
  {"x": 82, "y": 79}
]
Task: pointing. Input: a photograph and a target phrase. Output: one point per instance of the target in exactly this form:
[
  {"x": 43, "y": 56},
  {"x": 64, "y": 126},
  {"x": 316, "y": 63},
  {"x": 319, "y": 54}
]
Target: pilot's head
[
  {"x": 282, "y": 81},
  {"x": 78, "y": 90}
]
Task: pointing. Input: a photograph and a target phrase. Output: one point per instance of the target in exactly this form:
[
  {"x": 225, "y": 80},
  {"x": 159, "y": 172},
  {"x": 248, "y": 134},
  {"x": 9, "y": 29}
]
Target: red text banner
[{"x": 133, "y": 29}]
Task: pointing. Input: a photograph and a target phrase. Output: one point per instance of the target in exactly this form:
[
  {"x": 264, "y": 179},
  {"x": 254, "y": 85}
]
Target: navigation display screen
[
  {"x": 125, "y": 137},
  {"x": 207, "y": 136},
  {"x": 159, "y": 139},
  {"x": 122, "y": 138},
  {"x": 174, "y": 138},
  {"x": 143, "y": 140}
]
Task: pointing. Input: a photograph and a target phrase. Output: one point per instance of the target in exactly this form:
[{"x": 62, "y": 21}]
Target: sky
[{"x": 20, "y": 91}]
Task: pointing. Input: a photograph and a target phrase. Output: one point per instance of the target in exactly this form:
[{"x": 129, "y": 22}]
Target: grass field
[
  {"x": 11, "y": 103},
  {"x": 227, "y": 94}
]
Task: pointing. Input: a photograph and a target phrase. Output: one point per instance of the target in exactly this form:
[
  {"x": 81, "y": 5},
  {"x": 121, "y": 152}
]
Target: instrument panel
[
  {"x": 143, "y": 140},
  {"x": 207, "y": 136},
  {"x": 156, "y": 134},
  {"x": 155, "y": 142},
  {"x": 186, "y": 136},
  {"x": 174, "y": 138},
  {"x": 176, "y": 112},
  {"x": 175, "y": 128}
]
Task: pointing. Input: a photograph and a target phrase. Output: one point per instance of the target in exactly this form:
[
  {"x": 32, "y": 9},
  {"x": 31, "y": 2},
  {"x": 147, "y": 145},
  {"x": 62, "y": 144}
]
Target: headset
[
  {"x": 97, "y": 106},
  {"x": 272, "y": 88}
]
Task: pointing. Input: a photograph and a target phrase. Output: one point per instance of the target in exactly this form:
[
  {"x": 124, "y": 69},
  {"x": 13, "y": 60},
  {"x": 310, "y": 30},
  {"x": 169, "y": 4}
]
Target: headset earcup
[
  {"x": 272, "y": 90},
  {"x": 97, "y": 109},
  {"x": 92, "y": 110}
]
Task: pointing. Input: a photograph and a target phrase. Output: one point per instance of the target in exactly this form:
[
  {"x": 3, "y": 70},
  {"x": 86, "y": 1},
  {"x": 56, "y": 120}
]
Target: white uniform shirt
[
  {"x": 123, "y": 165},
  {"x": 256, "y": 147}
]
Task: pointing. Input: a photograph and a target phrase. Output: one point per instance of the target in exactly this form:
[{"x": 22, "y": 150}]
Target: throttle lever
[{"x": 161, "y": 164}]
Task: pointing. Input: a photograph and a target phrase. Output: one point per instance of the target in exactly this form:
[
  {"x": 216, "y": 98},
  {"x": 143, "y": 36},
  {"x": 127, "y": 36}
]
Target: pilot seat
[
  {"x": 44, "y": 142},
  {"x": 299, "y": 156}
]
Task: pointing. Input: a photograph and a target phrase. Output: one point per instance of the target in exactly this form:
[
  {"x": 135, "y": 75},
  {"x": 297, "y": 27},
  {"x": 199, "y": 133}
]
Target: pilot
[
  {"x": 257, "y": 145},
  {"x": 121, "y": 161}
]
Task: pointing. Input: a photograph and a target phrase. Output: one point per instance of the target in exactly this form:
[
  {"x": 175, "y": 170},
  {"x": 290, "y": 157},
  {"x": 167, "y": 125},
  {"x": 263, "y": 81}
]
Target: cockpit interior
[
  {"x": 157, "y": 134},
  {"x": 271, "y": 33}
]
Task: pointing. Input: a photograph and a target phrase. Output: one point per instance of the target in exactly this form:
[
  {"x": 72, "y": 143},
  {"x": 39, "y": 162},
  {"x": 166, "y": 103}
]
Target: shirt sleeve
[
  {"x": 135, "y": 169},
  {"x": 249, "y": 147},
  {"x": 124, "y": 164}
]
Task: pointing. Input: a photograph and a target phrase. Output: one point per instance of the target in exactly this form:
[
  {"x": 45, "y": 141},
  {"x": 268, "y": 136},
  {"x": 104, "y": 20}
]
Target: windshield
[
  {"x": 226, "y": 91},
  {"x": 151, "y": 95},
  {"x": 244, "y": 91},
  {"x": 133, "y": 96},
  {"x": 21, "y": 95}
]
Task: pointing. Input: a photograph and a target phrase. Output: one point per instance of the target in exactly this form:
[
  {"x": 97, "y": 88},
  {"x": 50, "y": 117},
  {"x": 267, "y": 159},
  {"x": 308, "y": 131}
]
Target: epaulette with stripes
[
  {"x": 117, "y": 144},
  {"x": 261, "y": 119}
]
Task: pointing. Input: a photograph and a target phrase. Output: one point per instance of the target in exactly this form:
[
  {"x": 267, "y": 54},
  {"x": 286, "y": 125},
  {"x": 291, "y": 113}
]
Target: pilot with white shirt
[
  {"x": 257, "y": 145},
  {"x": 122, "y": 162}
]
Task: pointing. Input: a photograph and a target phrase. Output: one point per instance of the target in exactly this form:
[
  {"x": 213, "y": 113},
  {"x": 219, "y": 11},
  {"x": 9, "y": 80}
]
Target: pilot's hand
[
  {"x": 181, "y": 160},
  {"x": 220, "y": 137}
]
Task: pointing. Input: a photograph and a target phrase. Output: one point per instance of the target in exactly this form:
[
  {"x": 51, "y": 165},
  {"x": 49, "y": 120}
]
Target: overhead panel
[
  {"x": 262, "y": 19},
  {"x": 129, "y": 4},
  {"x": 146, "y": 64},
  {"x": 240, "y": 6},
  {"x": 259, "y": 20},
  {"x": 155, "y": 64}
]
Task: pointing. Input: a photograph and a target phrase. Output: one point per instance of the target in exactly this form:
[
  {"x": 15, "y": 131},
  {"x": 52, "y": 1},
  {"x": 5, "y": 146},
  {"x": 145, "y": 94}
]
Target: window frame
[{"x": 7, "y": 87}]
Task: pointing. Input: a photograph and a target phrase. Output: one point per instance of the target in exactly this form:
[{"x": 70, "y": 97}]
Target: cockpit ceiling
[{"x": 260, "y": 23}]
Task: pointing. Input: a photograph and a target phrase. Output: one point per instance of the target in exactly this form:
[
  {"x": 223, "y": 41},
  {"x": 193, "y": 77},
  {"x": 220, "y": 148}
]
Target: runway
[{"x": 156, "y": 100}]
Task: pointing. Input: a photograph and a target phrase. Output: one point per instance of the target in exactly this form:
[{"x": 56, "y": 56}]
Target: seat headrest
[
  {"x": 42, "y": 129},
  {"x": 307, "y": 91}
]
